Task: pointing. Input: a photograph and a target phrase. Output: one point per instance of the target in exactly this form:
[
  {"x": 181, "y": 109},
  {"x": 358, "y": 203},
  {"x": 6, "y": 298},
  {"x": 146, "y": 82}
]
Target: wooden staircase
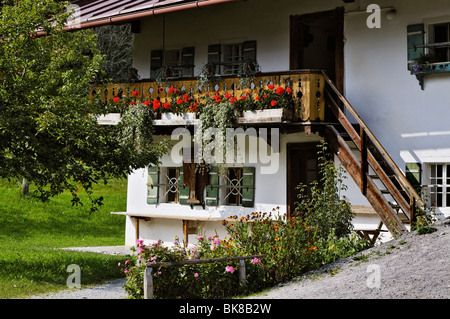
[{"x": 368, "y": 163}]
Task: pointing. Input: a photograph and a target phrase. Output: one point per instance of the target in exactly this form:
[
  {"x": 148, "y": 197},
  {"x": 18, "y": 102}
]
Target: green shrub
[{"x": 318, "y": 233}]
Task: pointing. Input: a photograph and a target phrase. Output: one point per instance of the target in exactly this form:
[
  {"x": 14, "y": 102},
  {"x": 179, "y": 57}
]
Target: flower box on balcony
[
  {"x": 170, "y": 118},
  {"x": 266, "y": 116}
]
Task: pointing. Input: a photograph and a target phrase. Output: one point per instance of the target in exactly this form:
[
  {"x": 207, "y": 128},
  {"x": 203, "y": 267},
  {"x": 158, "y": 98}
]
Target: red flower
[
  {"x": 179, "y": 101},
  {"x": 273, "y": 103},
  {"x": 135, "y": 93},
  {"x": 227, "y": 96},
  {"x": 193, "y": 107},
  {"x": 116, "y": 99},
  {"x": 218, "y": 100},
  {"x": 216, "y": 97},
  {"x": 156, "y": 104},
  {"x": 146, "y": 103},
  {"x": 279, "y": 90},
  {"x": 271, "y": 86},
  {"x": 186, "y": 98},
  {"x": 171, "y": 89},
  {"x": 289, "y": 90},
  {"x": 257, "y": 98},
  {"x": 243, "y": 97},
  {"x": 166, "y": 105},
  {"x": 233, "y": 100},
  {"x": 160, "y": 89}
]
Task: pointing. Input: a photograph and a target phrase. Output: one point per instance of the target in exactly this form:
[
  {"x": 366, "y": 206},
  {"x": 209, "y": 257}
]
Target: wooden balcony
[{"x": 305, "y": 87}]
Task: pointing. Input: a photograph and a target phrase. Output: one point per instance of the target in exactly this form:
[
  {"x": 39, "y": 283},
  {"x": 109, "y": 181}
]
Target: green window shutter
[
  {"x": 187, "y": 61},
  {"x": 183, "y": 190},
  {"x": 214, "y": 55},
  {"x": 416, "y": 36},
  {"x": 414, "y": 174},
  {"x": 212, "y": 193},
  {"x": 152, "y": 180},
  {"x": 249, "y": 50},
  {"x": 248, "y": 190},
  {"x": 156, "y": 62}
]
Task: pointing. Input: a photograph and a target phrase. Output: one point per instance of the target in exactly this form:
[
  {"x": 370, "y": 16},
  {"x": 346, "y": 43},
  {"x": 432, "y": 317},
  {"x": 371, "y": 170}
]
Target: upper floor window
[
  {"x": 228, "y": 58},
  {"x": 172, "y": 63},
  {"x": 440, "y": 34}
]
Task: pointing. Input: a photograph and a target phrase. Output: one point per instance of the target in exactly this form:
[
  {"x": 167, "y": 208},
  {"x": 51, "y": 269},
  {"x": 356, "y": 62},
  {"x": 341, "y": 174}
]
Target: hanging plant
[
  {"x": 215, "y": 117},
  {"x": 208, "y": 75},
  {"x": 248, "y": 70},
  {"x": 136, "y": 126}
]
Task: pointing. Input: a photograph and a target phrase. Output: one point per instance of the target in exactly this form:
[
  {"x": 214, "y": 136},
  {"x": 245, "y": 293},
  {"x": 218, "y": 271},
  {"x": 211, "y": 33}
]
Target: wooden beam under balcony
[{"x": 307, "y": 93}]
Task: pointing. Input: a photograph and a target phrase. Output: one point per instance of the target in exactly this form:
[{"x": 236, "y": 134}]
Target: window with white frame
[
  {"x": 439, "y": 185},
  {"x": 172, "y": 59},
  {"x": 232, "y": 57}
]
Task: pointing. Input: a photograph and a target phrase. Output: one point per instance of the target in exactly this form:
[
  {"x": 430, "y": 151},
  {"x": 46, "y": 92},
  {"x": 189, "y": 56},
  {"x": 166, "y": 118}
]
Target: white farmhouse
[{"x": 369, "y": 77}]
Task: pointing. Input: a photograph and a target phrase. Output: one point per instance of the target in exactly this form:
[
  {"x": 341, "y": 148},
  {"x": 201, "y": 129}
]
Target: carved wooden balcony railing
[{"x": 306, "y": 87}]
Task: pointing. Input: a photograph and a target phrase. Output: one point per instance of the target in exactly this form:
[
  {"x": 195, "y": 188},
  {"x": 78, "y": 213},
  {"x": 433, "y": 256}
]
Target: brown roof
[{"x": 94, "y": 13}]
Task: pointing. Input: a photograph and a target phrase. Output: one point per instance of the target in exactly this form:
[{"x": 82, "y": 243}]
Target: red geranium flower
[
  {"x": 171, "y": 89},
  {"x": 179, "y": 101},
  {"x": 156, "y": 104},
  {"x": 271, "y": 86},
  {"x": 279, "y": 90},
  {"x": 146, "y": 103},
  {"x": 273, "y": 103},
  {"x": 227, "y": 96},
  {"x": 135, "y": 93},
  {"x": 289, "y": 90},
  {"x": 166, "y": 105},
  {"x": 116, "y": 99}
]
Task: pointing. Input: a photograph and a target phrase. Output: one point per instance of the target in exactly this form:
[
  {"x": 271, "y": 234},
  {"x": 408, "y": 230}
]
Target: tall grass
[{"x": 30, "y": 232}]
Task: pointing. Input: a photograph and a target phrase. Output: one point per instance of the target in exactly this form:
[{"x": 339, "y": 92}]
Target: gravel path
[{"x": 410, "y": 267}]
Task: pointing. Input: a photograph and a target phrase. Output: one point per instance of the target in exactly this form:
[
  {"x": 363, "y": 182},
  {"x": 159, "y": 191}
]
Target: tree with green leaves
[{"x": 48, "y": 129}]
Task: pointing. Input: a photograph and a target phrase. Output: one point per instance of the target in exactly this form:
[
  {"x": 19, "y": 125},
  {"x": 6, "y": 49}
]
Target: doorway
[
  {"x": 302, "y": 168},
  {"x": 317, "y": 42}
]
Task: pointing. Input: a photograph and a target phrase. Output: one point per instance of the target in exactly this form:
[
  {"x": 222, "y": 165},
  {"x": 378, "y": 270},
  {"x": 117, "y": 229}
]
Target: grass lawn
[{"x": 31, "y": 230}]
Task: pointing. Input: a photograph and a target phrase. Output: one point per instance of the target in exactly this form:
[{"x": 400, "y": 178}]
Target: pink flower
[
  {"x": 196, "y": 275},
  {"x": 199, "y": 237},
  {"x": 153, "y": 258},
  {"x": 255, "y": 261},
  {"x": 229, "y": 269}
]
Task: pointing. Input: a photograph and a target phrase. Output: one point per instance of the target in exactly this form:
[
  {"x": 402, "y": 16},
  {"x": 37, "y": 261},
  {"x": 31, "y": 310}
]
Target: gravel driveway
[{"x": 410, "y": 267}]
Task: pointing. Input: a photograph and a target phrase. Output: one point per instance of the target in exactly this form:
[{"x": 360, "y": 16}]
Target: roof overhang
[{"x": 95, "y": 13}]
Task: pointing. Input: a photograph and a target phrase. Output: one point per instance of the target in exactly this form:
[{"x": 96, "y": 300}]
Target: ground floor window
[{"x": 439, "y": 185}]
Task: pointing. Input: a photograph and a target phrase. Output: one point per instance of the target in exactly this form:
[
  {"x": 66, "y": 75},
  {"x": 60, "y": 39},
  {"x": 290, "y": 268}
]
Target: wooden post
[
  {"x": 148, "y": 283},
  {"x": 364, "y": 164},
  {"x": 137, "y": 227},
  {"x": 242, "y": 272}
]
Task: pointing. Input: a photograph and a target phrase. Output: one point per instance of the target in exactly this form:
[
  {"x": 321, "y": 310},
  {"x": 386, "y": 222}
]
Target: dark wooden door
[
  {"x": 317, "y": 42},
  {"x": 302, "y": 168}
]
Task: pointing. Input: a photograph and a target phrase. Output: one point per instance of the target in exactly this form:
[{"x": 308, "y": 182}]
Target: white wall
[
  {"x": 265, "y": 21},
  {"x": 411, "y": 124}
]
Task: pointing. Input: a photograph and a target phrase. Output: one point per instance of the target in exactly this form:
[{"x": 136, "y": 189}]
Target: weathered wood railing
[
  {"x": 148, "y": 274},
  {"x": 307, "y": 87},
  {"x": 405, "y": 200}
]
